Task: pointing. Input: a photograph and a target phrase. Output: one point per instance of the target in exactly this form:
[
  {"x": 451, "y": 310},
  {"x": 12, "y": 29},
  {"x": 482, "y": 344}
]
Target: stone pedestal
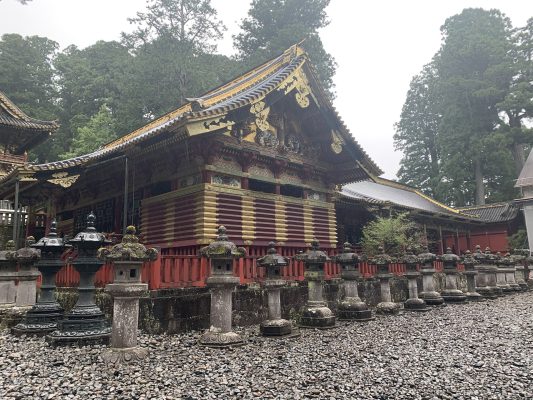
[
  {"x": 386, "y": 306},
  {"x": 414, "y": 303},
  {"x": 221, "y": 283},
  {"x": 486, "y": 277},
  {"x": 451, "y": 294},
  {"x": 509, "y": 270},
  {"x": 501, "y": 275},
  {"x": 470, "y": 272},
  {"x": 85, "y": 324},
  {"x": 351, "y": 307},
  {"x": 126, "y": 290},
  {"x": 316, "y": 313},
  {"x": 275, "y": 325},
  {"x": 8, "y": 278},
  {"x": 429, "y": 294},
  {"x": 520, "y": 277}
]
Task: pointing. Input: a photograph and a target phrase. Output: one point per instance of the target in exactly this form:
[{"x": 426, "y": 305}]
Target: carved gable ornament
[
  {"x": 63, "y": 179},
  {"x": 298, "y": 81}
]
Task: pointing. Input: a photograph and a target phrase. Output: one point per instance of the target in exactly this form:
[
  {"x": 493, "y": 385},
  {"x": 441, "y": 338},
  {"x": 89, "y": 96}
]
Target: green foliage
[
  {"x": 518, "y": 240},
  {"x": 99, "y": 130},
  {"x": 395, "y": 234},
  {"x": 463, "y": 126},
  {"x": 272, "y": 26}
]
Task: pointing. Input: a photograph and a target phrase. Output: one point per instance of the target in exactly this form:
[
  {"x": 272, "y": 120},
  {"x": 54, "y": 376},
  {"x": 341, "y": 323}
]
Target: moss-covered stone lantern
[
  {"x": 510, "y": 270},
  {"x": 85, "y": 323},
  {"x": 501, "y": 272},
  {"x": 316, "y": 313},
  {"x": 8, "y": 277},
  {"x": 427, "y": 269},
  {"x": 451, "y": 294},
  {"x": 274, "y": 263},
  {"x": 413, "y": 303},
  {"x": 386, "y": 305},
  {"x": 222, "y": 282},
  {"x": 519, "y": 257},
  {"x": 491, "y": 260},
  {"x": 27, "y": 275},
  {"x": 45, "y": 314},
  {"x": 470, "y": 272},
  {"x": 351, "y": 307},
  {"x": 127, "y": 259}
]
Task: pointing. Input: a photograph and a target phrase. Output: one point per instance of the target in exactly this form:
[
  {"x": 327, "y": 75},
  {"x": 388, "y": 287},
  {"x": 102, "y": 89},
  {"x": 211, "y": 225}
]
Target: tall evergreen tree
[
  {"x": 274, "y": 25},
  {"x": 416, "y": 134},
  {"x": 475, "y": 73}
]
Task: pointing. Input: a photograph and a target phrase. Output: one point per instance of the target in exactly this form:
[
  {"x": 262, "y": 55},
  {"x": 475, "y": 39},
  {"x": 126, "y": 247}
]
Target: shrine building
[{"x": 265, "y": 155}]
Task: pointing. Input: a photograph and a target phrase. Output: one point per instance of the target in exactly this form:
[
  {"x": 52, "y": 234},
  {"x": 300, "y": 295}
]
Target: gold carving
[
  {"x": 298, "y": 81},
  {"x": 336, "y": 142},
  {"x": 260, "y": 111},
  {"x": 62, "y": 179}
]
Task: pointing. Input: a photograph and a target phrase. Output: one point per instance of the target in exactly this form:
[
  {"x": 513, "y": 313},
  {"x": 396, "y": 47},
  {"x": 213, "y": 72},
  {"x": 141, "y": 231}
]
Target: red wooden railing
[{"x": 179, "y": 271}]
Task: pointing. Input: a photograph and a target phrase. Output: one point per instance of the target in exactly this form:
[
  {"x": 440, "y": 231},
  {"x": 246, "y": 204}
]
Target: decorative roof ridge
[
  {"x": 17, "y": 113},
  {"x": 287, "y": 56},
  {"x": 485, "y": 206}
]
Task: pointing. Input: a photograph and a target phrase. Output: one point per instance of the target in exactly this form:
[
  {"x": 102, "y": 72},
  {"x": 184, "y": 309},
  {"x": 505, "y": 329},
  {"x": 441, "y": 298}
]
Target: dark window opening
[
  {"x": 227, "y": 267},
  {"x": 133, "y": 273},
  {"x": 261, "y": 186},
  {"x": 293, "y": 191},
  {"x": 160, "y": 188}
]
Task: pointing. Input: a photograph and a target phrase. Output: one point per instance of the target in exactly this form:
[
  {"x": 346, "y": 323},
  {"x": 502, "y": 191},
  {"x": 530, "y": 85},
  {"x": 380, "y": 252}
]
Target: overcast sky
[{"x": 378, "y": 45}]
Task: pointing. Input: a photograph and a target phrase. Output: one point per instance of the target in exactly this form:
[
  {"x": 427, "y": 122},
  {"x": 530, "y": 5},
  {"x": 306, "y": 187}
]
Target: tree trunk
[
  {"x": 480, "y": 187},
  {"x": 519, "y": 157}
]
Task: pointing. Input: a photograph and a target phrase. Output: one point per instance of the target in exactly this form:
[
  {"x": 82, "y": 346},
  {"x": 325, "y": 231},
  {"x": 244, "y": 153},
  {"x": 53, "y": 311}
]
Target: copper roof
[{"x": 244, "y": 90}]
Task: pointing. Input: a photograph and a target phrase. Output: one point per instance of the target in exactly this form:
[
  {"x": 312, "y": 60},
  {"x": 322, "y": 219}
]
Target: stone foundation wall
[{"x": 179, "y": 310}]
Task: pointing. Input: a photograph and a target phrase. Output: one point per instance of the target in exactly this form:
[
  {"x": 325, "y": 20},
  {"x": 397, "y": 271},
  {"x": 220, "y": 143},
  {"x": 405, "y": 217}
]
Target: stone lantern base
[
  {"x": 474, "y": 296},
  {"x": 432, "y": 298},
  {"x": 354, "y": 309},
  {"x": 124, "y": 356},
  {"x": 453, "y": 296},
  {"x": 415, "y": 305},
  {"x": 81, "y": 327},
  {"x": 317, "y": 316},
  {"x": 487, "y": 292},
  {"x": 275, "y": 327},
  {"x": 214, "y": 338},
  {"x": 40, "y": 320},
  {"x": 387, "y": 307}
]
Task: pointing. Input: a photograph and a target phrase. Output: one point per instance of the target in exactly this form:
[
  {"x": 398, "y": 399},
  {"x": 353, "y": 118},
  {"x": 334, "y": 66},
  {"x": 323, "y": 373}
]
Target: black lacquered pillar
[
  {"x": 85, "y": 323},
  {"x": 44, "y": 315}
]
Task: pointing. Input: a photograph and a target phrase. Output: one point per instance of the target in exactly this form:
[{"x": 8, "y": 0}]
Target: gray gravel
[{"x": 472, "y": 351}]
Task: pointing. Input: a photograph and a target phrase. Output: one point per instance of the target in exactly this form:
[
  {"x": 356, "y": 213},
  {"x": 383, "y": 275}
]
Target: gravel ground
[{"x": 471, "y": 351}]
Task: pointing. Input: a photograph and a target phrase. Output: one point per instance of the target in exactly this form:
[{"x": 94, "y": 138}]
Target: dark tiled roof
[
  {"x": 12, "y": 116},
  {"x": 383, "y": 191},
  {"x": 498, "y": 212}
]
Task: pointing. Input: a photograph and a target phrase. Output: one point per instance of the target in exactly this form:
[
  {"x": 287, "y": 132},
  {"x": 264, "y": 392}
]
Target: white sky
[{"x": 378, "y": 45}]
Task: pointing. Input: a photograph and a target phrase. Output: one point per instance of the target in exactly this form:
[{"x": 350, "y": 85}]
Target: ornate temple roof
[
  {"x": 497, "y": 212},
  {"x": 207, "y": 111},
  {"x": 385, "y": 192},
  {"x": 27, "y": 131}
]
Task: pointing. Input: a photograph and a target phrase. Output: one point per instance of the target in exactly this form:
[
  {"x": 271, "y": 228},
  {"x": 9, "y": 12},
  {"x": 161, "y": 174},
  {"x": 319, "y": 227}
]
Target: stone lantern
[
  {"x": 519, "y": 256},
  {"x": 509, "y": 267},
  {"x": 45, "y": 314},
  {"x": 501, "y": 272},
  {"x": 127, "y": 258},
  {"x": 274, "y": 263},
  {"x": 470, "y": 272},
  {"x": 351, "y": 308},
  {"x": 429, "y": 294},
  {"x": 8, "y": 277},
  {"x": 222, "y": 282},
  {"x": 386, "y": 306},
  {"x": 316, "y": 313},
  {"x": 492, "y": 279},
  {"x": 85, "y": 323},
  {"x": 413, "y": 303},
  {"x": 27, "y": 274},
  {"x": 451, "y": 294},
  {"x": 485, "y": 275}
]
